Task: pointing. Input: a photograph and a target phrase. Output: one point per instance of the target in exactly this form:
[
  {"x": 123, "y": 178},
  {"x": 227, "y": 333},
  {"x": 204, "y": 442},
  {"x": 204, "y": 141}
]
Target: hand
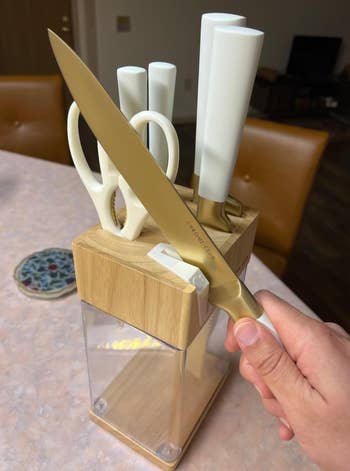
[{"x": 307, "y": 385}]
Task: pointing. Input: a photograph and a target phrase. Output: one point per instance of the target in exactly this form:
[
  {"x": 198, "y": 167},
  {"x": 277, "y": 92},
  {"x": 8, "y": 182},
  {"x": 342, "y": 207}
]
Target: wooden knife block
[{"x": 155, "y": 365}]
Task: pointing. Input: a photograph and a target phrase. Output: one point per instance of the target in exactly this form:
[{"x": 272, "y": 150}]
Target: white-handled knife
[
  {"x": 132, "y": 91},
  {"x": 234, "y": 61},
  {"x": 208, "y": 23},
  {"x": 161, "y": 90}
]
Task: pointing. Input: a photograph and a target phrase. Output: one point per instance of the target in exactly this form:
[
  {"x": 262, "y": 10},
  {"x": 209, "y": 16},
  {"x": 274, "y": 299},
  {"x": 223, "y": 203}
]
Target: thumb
[{"x": 269, "y": 359}]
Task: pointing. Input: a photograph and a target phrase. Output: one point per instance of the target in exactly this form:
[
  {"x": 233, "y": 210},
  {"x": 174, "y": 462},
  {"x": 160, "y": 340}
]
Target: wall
[
  {"x": 85, "y": 34},
  {"x": 169, "y": 30}
]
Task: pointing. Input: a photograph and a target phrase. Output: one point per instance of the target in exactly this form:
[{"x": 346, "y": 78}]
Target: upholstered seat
[
  {"x": 275, "y": 170},
  {"x": 32, "y": 117}
]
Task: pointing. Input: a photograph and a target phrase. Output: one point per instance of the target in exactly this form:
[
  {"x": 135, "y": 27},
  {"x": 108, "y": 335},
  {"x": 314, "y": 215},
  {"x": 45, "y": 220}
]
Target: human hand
[{"x": 307, "y": 385}]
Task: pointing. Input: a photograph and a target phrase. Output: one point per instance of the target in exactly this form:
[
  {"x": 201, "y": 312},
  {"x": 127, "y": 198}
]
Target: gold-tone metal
[
  {"x": 233, "y": 206},
  {"x": 128, "y": 153},
  {"x": 212, "y": 214},
  {"x": 113, "y": 211},
  {"x": 195, "y": 185}
]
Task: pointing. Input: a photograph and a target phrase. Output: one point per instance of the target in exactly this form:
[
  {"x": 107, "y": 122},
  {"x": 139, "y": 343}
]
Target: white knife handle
[
  {"x": 161, "y": 90},
  {"x": 264, "y": 320},
  {"x": 235, "y": 57},
  {"x": 132, "y": 91},
  {"x": 209, "y": 21}
]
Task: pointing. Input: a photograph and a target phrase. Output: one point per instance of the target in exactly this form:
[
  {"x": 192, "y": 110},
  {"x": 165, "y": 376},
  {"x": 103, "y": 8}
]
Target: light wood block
[{"x": 118, "y": 277}]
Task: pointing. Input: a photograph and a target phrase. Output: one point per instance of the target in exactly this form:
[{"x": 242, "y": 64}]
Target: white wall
[
  {"x": 168, "y": 30},
  {"x": 84, "y": 29}
]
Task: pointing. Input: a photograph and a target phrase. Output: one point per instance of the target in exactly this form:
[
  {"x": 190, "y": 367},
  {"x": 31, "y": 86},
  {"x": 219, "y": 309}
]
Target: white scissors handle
[
  {"x": 102, "y": 194},
  {"x": 139, "y": 122}
]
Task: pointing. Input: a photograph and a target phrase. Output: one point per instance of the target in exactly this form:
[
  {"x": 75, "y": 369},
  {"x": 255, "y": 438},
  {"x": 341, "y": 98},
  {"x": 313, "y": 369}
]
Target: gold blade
[{"x": 149, "y": 183}]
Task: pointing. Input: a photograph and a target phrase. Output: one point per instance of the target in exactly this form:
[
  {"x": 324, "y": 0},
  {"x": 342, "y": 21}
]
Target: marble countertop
[{"x": 44, "y": 394}]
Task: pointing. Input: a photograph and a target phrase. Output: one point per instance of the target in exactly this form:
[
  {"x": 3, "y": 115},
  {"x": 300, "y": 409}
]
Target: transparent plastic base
[{"x": 151, "y": 392}]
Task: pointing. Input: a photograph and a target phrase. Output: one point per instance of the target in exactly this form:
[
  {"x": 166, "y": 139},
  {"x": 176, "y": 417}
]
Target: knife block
[{"x": 155, "y": 360}]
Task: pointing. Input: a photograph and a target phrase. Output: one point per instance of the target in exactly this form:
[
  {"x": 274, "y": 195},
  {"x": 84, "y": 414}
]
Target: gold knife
[{"x": 157, "y": 193}]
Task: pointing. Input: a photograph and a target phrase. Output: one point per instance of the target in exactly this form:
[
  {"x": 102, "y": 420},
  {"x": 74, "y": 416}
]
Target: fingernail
[
  {"x": 285, "y": 423},
  {"x": 258, "y": 389},
  {"x": 246, "y": 333}
]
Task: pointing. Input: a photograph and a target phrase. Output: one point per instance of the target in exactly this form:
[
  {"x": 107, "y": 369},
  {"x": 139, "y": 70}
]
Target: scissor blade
[{"x": 159, "y": 196}]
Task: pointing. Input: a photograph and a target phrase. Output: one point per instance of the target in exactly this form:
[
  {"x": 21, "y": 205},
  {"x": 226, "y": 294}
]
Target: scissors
[{"x": 103, "y": 194}]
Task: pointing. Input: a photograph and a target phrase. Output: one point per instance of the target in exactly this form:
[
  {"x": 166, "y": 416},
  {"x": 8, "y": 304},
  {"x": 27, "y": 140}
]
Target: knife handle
[
  {"x": 265, "y": 321},
  {"x": 245, "y": 305},
  {"x": 208, "y": 23},
  {"x": 235, "y": 58},
  {"x": 161, "y": 90},
  {"x": 132, "y": 91}
]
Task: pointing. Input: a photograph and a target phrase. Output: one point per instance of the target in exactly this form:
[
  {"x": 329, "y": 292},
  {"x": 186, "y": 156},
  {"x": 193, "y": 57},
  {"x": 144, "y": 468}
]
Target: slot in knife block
[{"x": 155, "y": 361}]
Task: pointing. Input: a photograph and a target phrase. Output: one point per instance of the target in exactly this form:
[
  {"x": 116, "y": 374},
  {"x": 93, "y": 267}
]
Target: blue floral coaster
[{"x": 46, "y": 274}]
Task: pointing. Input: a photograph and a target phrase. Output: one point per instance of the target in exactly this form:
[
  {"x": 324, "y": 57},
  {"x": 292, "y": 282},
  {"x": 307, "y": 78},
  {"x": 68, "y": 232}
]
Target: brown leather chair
[
  {"x": 275, "y": 170},
  {"x": 32, "y": 117}
]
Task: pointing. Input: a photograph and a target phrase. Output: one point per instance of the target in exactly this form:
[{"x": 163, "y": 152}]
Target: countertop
[{"x": 44, "y": 394}]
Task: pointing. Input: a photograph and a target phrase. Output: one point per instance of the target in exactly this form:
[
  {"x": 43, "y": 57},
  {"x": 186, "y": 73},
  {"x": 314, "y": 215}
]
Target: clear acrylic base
[{"x": 148, "y": 393}]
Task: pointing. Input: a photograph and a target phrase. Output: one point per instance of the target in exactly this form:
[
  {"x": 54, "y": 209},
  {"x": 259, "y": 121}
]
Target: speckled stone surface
[{"x": 44, "y": 396}]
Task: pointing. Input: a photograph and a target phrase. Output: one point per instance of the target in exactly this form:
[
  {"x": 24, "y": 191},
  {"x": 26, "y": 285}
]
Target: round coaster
[{"x": 46, "y": 274}]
